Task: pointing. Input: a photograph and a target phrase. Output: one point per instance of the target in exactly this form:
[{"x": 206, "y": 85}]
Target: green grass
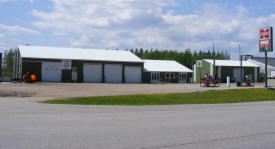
[{"x": 207, "y": 97}]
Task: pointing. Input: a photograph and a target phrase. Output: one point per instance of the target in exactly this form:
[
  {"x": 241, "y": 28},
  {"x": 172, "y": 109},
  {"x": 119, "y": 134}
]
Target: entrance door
[
  {"x": 155, "y": 77},
  {"x": 182, "y": 78},
  {"x": 168, "y": 77},
  {"x": 237, "y": 73},
  {"x": 74, "y": 75}
]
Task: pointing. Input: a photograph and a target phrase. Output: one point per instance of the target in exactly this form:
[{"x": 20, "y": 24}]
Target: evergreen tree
[{"x": 186, "y": 57}]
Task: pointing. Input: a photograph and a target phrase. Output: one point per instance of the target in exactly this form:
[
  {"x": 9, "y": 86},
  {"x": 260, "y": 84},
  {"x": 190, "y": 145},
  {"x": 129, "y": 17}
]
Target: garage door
[
  {"x": 51, "y": 72},
  {"x": 132, "y": 74},
  {"x": 92, "y": 73},
  {"x": 113, "y": 73}
]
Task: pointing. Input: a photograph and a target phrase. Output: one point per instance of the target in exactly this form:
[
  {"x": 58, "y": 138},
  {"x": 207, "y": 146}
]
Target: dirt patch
[
  {"x": 15, "y": 94},
  {"x": 68, "y": 90}
]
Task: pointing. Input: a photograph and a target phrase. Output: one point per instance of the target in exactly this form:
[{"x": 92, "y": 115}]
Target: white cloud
[
  {"x": 2, "y": 35},
  {"x": 143, "y": 23},
  {"x": 17, "y": 28}
]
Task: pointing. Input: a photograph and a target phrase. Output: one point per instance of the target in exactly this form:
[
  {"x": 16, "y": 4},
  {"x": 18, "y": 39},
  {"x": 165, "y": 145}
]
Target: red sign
[
  {"x": 266, "y": 40},
  {"x": 265, "y": 33},
  {"x": 265, "y": 43}
]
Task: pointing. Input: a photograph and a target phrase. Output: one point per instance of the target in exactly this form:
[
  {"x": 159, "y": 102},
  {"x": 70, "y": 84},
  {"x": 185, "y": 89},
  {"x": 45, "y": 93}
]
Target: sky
[{"x": 112, "y": 24}]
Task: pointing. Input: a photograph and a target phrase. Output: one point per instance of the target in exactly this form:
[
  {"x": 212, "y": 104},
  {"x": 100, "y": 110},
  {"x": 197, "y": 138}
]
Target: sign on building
[
  {"x": 266, "y": 39},
  {"x": 66, "y": 64},
  {"x": 199, "y": 64}
]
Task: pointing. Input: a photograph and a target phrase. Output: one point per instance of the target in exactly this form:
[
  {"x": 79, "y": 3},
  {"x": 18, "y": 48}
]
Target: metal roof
[
  {"x": 164, "y": 66},
  {"x": 261, "y": 60},
  {"x": 77, "y": 54},
  {"x": 231, "y": 63}
]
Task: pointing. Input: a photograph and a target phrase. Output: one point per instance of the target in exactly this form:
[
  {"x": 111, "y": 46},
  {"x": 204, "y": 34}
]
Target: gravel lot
[{"x": 66, "y": 90}]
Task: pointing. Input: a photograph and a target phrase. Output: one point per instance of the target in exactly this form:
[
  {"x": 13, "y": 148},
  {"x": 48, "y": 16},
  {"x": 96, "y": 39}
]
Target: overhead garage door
[
  {"x": 51, "y": 71},
  {"x": 132, "y": 74},
  {"x": 113, "y": 73},
  {"x": 92, "y": 73}
]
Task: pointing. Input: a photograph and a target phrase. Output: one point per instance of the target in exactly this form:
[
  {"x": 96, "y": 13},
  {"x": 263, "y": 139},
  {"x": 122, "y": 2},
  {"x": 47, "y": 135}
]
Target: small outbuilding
[
  {"x": 55, "y": 64},
  {"x": 260, "y": 61},
  {"x": 224, "y": 68},
  {"x": 165, "y": 71}
]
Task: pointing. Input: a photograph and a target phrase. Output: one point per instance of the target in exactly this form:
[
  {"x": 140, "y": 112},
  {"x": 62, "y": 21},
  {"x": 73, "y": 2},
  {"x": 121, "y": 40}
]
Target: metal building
[
  {"x": 224, "y": 68},
  {"x": 165, "y": 71},
  {"x": 260, "y": 61},
  {"x": 54, "y": 64}
]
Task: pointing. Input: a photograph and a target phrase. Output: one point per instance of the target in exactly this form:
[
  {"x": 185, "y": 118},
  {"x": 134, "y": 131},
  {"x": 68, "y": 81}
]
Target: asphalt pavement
[{"x": 26, "y": 124}]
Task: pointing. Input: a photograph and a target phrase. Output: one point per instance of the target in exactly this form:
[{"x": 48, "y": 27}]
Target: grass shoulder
[{"x": 206, "y": 97}]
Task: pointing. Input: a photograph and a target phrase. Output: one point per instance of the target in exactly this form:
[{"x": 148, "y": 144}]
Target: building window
[
  {"x": 182, "y": 77},
  {"x": 155, "y": 76}
]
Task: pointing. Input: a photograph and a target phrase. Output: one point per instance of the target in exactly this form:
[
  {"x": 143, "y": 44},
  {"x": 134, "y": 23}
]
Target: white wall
[{"x": 195, "y": 72}]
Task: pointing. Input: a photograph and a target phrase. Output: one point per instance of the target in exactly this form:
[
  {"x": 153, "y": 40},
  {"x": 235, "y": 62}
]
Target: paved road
[{"x": 25, "y": 124}]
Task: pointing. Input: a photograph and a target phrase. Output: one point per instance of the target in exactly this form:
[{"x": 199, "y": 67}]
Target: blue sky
[{"x": 111, "y": 24}]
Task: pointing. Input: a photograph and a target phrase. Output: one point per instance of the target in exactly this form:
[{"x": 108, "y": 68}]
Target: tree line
[{"x": 186, "y": 57}]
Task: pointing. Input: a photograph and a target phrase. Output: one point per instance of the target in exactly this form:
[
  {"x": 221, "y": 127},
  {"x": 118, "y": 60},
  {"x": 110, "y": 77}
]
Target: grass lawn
[{"x": 207, "y": 97}]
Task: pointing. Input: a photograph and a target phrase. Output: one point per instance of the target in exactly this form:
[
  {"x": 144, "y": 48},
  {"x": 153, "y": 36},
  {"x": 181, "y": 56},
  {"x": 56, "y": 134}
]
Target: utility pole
[
  {"x": 214, "y": 69},
  {"x": 241, "y": 68},
  {"x": 266, "y": 69}
]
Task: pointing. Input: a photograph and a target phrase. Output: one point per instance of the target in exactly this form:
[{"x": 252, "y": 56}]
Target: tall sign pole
[
  {"x": 266, "y": 69},
  {"x": 214, "y": 59},
  {"x": 266, "y": 45}
]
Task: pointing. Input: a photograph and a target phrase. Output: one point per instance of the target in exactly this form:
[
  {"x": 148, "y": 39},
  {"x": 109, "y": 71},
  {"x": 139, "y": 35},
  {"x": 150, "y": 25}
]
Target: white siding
[
  {"x": 272, "y": 73},
  {"x": 195, "y": 72}
]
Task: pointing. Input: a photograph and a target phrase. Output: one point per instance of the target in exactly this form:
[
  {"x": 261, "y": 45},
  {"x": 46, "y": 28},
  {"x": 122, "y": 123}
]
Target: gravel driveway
[{"x": 66, "y": 90}]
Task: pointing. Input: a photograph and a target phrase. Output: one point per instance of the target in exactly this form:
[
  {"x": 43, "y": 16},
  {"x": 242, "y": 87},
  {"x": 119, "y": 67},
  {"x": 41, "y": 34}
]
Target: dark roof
[{"x": 270, "y": 61}]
